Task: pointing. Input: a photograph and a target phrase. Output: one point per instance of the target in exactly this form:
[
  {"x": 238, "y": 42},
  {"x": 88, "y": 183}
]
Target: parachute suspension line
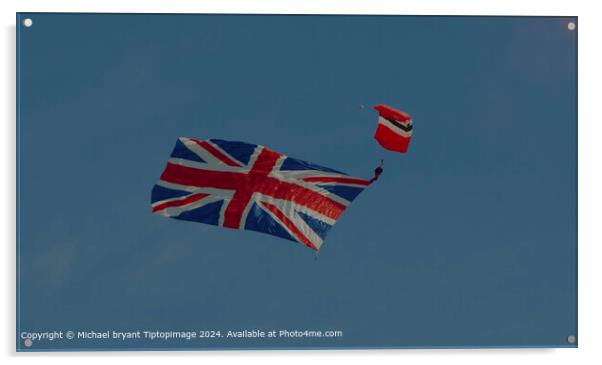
[
  {"x": 316, "y": 252},
  {"x": 378, "y": 171}
]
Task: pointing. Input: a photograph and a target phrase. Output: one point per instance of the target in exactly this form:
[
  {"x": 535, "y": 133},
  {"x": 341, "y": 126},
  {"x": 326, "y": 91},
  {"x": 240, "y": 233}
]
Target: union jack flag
[{"x": 246, "y": 186}]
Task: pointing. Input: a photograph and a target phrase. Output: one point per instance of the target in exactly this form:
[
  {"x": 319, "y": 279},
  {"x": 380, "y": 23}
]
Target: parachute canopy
[{"x": 394, "y": 129}]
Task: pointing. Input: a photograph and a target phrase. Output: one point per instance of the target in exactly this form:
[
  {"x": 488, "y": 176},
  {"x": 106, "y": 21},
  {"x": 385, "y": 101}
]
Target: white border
[{"x": 590, "y": 120}]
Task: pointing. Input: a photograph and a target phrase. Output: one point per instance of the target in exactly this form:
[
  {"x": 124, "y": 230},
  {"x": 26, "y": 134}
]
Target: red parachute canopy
[{"x": 394, "y": 129}]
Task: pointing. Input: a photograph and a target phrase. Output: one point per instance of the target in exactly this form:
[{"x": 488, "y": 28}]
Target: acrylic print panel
[{"x": 468, "y": 239}]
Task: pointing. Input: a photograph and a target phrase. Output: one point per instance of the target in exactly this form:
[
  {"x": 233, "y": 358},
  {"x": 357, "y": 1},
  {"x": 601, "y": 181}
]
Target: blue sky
[{"x": 467, "y": 240}]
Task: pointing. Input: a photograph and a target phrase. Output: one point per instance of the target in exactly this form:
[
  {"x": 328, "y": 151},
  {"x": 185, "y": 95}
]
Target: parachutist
[{"x": 378, "y": 171}]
